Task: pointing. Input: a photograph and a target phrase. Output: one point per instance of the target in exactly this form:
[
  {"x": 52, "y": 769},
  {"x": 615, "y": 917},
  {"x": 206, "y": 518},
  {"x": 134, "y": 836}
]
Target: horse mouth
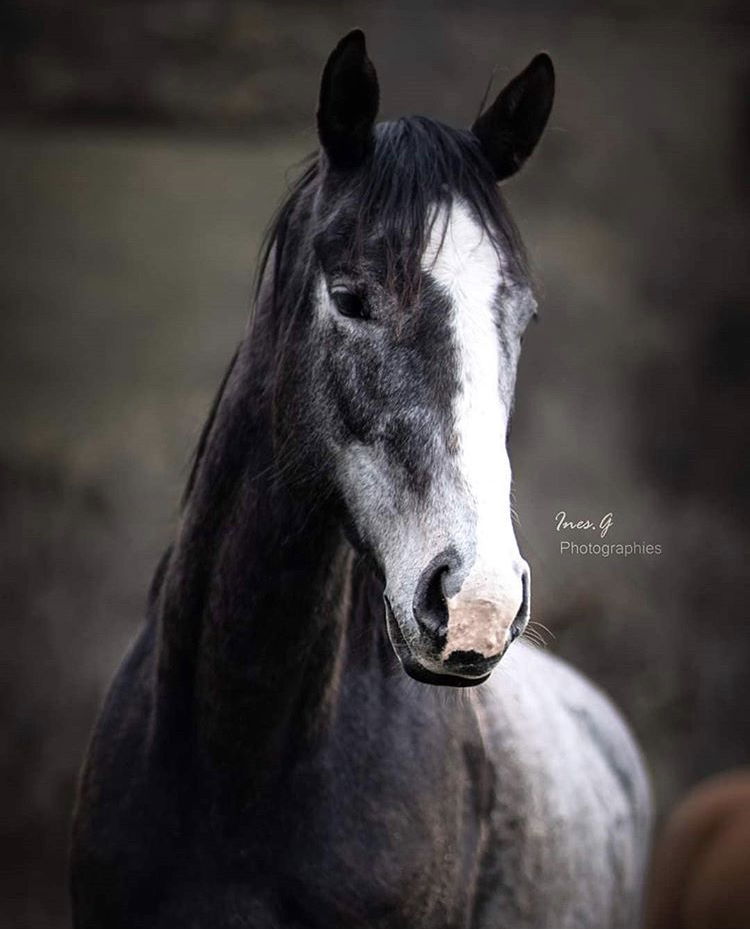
[{"x": 414, "y": 668}]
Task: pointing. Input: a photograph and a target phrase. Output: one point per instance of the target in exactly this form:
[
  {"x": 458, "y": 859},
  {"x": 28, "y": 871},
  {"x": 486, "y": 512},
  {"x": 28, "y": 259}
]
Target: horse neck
[{"x": 256, "y": 596}]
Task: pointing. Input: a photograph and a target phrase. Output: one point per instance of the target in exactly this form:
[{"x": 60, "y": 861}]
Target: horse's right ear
[{"x": 349, "y": 97}]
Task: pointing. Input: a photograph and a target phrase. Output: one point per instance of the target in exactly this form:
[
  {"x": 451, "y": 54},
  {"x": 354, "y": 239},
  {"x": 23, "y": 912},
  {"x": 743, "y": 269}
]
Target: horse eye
[{"x": 350, "y": 304}]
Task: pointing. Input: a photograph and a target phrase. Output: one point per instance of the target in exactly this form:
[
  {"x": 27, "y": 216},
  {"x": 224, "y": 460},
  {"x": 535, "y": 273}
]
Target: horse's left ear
[
  {"x": 509, "y": 129},
  {"x": 349, "y": 97}
]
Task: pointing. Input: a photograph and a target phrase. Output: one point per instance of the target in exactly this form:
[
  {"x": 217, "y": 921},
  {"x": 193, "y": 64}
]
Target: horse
[
  {"x": 698, "y": 878},
  {"x": 307, "y": 731}
]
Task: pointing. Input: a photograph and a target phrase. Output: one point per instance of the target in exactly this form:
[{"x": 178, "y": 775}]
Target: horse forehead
[{"x": 461, "y": 257}]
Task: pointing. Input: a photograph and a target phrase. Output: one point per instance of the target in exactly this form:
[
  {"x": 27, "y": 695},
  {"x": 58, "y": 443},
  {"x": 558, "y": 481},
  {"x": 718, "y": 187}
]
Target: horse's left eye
[{"x": 350, "y": 304}]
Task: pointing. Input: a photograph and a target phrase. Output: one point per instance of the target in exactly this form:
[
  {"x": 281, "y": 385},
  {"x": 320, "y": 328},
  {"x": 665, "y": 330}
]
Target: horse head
[{"x": 401, "y": 373}]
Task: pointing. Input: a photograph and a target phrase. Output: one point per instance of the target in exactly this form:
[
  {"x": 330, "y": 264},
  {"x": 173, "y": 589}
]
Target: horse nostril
[
  {"x": 522, "y": 616},
  {"x": 430, "y": 608},
  {"x": 432, "y": 612}
]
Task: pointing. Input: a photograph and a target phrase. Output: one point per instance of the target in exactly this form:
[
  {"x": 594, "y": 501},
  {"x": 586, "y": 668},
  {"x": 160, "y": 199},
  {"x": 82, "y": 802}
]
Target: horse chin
[{"x": 414, "y": 668}]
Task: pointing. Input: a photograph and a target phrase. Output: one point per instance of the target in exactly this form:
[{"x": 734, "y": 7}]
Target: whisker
[
  {"x": 542, "y": 627},
  {"x": 533, "y": 639}
]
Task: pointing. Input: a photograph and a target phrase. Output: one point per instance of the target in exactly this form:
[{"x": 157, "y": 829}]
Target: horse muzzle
[{"x": 456, "y": 637}]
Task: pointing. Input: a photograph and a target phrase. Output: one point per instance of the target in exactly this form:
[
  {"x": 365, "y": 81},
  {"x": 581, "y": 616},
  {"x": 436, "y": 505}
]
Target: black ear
[
  {"x": 348, "y": 105},
  {"x": 509, "y": 129}
]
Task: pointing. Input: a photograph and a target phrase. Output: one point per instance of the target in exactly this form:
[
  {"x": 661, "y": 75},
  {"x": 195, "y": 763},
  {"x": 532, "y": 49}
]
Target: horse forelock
[{"x": 416, "y": 165}]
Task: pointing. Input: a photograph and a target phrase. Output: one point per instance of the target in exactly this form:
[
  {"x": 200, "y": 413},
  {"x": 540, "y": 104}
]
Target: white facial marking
[{"x": 463, "y": 261}]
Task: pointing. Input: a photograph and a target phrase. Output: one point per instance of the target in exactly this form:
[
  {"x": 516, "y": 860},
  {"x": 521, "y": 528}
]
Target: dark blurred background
[{"x": 144, "y": 147}]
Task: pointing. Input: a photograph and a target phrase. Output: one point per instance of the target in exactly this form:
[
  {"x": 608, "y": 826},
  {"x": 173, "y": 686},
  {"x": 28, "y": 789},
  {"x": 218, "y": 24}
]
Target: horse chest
[
  {"x": 378, "y": 838},
  {"x": 384, "y": 869}
]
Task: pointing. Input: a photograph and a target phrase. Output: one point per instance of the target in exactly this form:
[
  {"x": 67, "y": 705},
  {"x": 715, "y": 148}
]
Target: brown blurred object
[{"x": 701, "y": 869}]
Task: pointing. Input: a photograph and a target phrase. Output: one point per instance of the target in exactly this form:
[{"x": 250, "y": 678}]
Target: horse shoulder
[{"x": 571, "y": 822}]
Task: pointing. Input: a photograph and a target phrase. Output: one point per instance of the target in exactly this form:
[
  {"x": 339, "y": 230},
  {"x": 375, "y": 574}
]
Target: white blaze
[{"x": 463, "y": 261}]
